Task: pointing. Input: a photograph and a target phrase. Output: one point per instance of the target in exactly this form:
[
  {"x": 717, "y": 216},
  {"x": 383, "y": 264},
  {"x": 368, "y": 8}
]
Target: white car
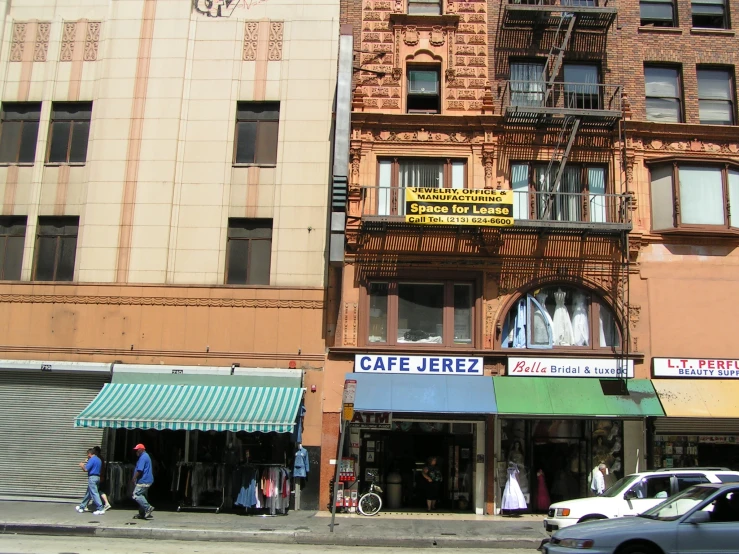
[{"x": 633, "y": 494}]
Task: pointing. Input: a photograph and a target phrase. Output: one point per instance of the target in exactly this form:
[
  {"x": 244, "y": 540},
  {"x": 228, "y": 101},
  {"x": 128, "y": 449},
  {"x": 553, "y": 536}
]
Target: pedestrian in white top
[{"x": 598, "y": 480}]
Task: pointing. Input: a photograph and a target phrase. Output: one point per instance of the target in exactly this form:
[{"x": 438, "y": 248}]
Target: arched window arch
[{"x": 560, "y": 316}]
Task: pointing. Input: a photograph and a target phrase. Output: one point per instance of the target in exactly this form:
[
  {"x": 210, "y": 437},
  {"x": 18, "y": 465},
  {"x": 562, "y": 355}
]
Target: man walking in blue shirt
[
  {"x": 143, "y": 478},
  {"x": 93, "y": 466}
]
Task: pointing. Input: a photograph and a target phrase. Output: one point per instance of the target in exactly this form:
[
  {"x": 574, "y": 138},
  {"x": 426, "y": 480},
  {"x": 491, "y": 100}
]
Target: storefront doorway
[
  {"x": 401, "y": 452},
  {"x": 555, "y": 457}
]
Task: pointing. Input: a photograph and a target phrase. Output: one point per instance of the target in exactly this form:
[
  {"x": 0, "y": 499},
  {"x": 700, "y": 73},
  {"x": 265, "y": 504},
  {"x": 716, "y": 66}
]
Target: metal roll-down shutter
[
  {"x": 696, "y": 426},
  {"x": 40, "y": 446}
]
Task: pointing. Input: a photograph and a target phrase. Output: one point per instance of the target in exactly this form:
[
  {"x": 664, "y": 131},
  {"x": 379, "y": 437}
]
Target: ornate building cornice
[{"x": 158, "y": 301}]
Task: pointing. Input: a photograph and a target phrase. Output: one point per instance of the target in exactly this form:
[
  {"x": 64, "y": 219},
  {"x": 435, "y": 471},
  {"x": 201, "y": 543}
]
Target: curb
[{"x": 271, "y": 537}]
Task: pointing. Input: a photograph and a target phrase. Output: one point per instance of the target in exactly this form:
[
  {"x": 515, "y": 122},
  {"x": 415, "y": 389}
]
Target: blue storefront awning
[{"x": 444, "y": 394}]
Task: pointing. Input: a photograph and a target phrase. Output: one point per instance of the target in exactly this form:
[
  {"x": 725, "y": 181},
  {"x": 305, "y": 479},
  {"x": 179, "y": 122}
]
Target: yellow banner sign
[{"x": 480, "y": 207}]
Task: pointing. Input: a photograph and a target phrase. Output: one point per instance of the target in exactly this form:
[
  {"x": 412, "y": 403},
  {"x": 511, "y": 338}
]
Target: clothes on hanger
[
  {"x": 263, "y": 487},
  {"x": 301, "y": 466}
]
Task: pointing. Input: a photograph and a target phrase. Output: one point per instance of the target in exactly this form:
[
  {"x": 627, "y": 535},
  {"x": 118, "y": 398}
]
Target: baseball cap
[{"x": 139, "y": 447}]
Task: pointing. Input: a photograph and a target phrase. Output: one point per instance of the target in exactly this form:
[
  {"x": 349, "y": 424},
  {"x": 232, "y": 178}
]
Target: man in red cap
[{"x": 143, "y": 478}]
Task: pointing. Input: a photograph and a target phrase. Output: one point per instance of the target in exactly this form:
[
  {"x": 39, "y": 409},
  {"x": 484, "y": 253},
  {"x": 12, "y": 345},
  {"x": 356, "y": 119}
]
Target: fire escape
[{"x": 563, "y": 111}]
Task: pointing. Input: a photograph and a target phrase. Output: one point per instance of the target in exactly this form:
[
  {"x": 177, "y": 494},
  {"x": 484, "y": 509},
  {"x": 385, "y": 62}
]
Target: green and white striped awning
[{"x": 193, "y": 407}]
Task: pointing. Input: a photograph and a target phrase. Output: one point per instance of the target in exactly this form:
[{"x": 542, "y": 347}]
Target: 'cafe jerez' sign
[{"x": 417, "y": 365}]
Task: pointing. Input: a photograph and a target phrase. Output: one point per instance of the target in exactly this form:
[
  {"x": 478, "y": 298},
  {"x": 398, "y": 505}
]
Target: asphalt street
[{"x": 20, "y": 544}]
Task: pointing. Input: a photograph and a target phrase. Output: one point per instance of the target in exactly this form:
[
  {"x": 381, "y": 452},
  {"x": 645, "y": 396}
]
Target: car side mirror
[
  {"x": 699, "y": 517},
  {"x": 629, "y": 495}
]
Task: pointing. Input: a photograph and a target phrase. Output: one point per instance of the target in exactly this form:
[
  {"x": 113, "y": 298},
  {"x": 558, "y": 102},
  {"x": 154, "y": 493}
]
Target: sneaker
[
  {"x": 149, "y": 510},
  {"x": 98, "y": 512},
  {"x": 107, "y": 507},
  {"x": 79, "y": 509}
]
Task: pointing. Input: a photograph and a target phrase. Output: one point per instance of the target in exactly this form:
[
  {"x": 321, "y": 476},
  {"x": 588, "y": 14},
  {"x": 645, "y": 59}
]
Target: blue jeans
[
  {"x": 140, "y": 492},
  {"x": 93, "y": 482}
]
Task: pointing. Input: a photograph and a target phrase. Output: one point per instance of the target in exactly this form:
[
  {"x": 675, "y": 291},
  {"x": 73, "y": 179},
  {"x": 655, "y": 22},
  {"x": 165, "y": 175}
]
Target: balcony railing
[
  {"x": 594, "y": 15},
  {"x": 562, "y": 3},
  {"x": 532, "y": 99},
  {"x": 530, "y": 208}
]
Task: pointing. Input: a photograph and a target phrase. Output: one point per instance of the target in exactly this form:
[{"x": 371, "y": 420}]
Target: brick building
[{"x": 590, "y": 114}]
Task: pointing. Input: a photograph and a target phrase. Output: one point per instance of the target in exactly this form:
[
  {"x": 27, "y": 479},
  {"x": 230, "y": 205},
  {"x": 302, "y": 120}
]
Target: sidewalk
[{"x": 301, "y": 527}]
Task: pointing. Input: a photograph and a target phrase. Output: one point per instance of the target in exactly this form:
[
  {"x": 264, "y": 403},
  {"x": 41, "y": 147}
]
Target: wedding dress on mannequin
[
  {"x": 563, "y": 334},
  {"x": 541, "y": 332},
  {"x": 580, "y": 325}
]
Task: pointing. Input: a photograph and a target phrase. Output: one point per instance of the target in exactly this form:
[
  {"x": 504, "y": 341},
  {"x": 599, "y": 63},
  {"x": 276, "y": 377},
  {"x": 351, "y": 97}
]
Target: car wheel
[
  {"x": 590, "y": 518},
  {"x": 638, "y": 548}
]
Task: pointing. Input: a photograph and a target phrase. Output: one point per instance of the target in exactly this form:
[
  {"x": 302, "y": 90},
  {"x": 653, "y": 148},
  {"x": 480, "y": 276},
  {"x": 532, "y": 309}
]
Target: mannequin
[
  {"x": 301, "y": 466},
  {"x": 513, "y": 498},
  {"x": 515, "y": 456}
]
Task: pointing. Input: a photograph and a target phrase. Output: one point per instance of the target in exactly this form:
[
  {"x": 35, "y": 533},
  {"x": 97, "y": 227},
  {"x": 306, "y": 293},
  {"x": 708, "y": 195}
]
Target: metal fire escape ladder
[
  {"x": 571, "y": 125},
  {"x": 557, "y": 52}
]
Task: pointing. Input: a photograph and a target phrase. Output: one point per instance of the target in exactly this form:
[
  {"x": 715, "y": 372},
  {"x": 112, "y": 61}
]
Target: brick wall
[{"x": 681, "y": 45}]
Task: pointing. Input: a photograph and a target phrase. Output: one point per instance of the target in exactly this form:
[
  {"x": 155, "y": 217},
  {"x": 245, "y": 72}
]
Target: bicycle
[{"x": 370, "y": 503}]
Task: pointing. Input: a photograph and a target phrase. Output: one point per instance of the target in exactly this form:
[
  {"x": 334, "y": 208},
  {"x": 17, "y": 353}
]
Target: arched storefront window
[{"x": 560, "y": 316}]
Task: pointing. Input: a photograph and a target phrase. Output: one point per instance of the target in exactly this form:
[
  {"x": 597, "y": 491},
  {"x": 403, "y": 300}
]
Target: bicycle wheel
[{"x": 370, "y": 504}]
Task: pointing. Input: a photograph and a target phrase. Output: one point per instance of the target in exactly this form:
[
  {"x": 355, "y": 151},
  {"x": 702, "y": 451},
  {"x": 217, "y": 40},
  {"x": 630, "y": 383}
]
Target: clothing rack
[
  {"x": 248, "y": 488},
  {"x": 118, "y": 476},
  {"x": 192, "y": 485}
]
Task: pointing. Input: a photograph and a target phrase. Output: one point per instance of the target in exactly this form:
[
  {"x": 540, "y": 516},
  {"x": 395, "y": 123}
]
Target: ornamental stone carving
[
  {"x": 275, "y": 41},
  {"x": 92, "y": 38},
  {"x": 43, "y": 29},
  {"x": 68, "y": 36},
  {"x": 437, "y": 35},
  {"x": 251, "y": 36},
  {"x": 410, "y": 35},
  {"x": 18, "y": 41}
]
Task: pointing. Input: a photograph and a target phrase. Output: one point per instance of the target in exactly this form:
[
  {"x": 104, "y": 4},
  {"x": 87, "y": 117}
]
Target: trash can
[{"x": 394, "y": 490}]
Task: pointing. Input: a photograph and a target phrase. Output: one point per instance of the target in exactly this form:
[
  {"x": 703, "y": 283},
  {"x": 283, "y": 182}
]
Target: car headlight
[
  {"x": 576, "y": 543},
  {"x": 562, "y": 512}
]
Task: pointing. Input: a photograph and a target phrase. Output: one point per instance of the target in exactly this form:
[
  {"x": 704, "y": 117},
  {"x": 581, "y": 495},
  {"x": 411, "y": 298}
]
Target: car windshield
[
  {"x": 680, "y": 504},
  {"x": 619, "y": 486}
]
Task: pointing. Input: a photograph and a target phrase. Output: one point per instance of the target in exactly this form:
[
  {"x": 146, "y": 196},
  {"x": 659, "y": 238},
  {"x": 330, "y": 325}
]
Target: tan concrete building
[{"x": 164, "y": 173}]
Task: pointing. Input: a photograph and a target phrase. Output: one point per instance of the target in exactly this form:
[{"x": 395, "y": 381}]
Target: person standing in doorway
[
  {"x": 143, "y": 478},
  {"x": 92, "y": 466},
  {"x": 432, "y": 481},
  {"x": 598, "y": 480}
]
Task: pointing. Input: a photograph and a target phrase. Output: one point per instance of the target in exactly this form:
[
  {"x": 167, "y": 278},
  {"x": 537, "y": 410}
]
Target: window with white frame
[
  {"x": 396, "y": 175},
  {"x": 560, "y": 316}
]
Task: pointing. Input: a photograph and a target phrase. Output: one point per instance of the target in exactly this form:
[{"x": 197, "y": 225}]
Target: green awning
[
  {"x": 193, "y": 407},
  {"x": 573, "y": 396}
]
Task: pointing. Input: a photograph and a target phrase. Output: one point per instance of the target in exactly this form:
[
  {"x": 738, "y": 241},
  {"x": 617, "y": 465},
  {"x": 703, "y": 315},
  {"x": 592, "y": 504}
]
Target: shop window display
[
  {"x": 685, "y": 451},
  {"x": 560, "y": 317},
  {"x": 556, "y": 457}
]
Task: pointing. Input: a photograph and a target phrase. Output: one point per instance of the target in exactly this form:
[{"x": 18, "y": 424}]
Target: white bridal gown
[
  {"x": 513, "y": 498},
  {"x": 563, "y": 334},
  {"x": 580, "y": 326}
]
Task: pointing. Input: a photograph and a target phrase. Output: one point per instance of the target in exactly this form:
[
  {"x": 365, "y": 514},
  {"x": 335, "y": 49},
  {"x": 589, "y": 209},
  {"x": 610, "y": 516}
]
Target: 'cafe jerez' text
[{"x": 434, "y": 365}]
